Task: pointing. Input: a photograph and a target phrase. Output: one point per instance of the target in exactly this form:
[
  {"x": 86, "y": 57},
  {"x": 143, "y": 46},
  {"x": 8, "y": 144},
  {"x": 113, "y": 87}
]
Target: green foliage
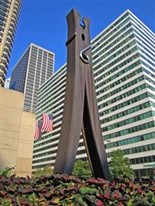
[
  {"x": 140, "y": 202},
  {"x": 46, "y": 171},
  {"x": 119, "y": 165},
  {"x": 150, "y": 196},
  {"x": 82, "y": 169},
  {"x": 5, "y": 202},
  {"x": 7, "y": 171},
  {"x": 33, "y": 199}
]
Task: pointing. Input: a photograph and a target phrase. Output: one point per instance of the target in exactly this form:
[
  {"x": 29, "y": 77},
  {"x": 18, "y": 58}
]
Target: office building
[
  {"x": 31, "y": 71},
  {"x": 9, "y": 14},
  {"x": 124, "y": 74}
]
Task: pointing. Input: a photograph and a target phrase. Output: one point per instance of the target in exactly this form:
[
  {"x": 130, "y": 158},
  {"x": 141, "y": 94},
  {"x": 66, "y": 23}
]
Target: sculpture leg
[
  {"x": 71, "y": 123},
  {"x": 93, "y": 132}
]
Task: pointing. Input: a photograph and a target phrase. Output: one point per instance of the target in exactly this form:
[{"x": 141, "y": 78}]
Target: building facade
[
  {"x": 31, "y": 71},
  {"x": 124, "y": 74},
  {"x": 16, "y": 133},
  {"x": 7, "y": 83},
  {"x": 9, "y": 14}
]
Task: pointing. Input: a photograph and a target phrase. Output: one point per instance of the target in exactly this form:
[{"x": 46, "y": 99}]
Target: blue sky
[{"x": 43, "y": 22}]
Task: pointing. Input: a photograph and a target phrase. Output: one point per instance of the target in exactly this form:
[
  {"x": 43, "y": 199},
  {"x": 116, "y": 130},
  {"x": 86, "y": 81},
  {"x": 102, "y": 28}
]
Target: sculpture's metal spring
[{"x": 84, "y": 57}]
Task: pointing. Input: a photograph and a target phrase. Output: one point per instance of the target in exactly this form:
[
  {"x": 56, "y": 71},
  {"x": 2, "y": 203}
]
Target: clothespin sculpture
[{"x": 80, "y": 106}]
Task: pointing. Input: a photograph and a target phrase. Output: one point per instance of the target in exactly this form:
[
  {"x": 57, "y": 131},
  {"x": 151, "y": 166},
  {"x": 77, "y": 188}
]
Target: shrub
[
  {"x": 70, "y": 190},
  {"x": 82, "y": 169},
  {"x": 7, "y": 171},
  {"x": 46, "y": 171}
]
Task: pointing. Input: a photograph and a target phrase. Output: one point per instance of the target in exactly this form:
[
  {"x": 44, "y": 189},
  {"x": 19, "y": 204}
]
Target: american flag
[
  {"x": 50, "y": 122},
  {"x": 37, "y": 132},
  {"x": 47, "y": 122}
]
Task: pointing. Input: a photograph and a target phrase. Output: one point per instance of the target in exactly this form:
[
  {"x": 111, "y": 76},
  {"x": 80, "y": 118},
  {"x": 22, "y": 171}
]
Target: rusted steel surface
[{"x": 80, "y": 107}]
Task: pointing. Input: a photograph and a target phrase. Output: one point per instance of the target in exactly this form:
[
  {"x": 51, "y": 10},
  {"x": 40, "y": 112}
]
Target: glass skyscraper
[
  {"x": 124, "y": 74},
  {"x": 9, "y": 14},
  {"x": 31, "y": 71}
]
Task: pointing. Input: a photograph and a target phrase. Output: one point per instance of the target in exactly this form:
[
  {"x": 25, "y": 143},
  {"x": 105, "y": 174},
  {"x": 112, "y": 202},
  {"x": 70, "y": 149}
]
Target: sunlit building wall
[
  {"x": 7, "y": 83},
  {"x": 16, "y": 133},
  {"x": 124, "y": 74}
]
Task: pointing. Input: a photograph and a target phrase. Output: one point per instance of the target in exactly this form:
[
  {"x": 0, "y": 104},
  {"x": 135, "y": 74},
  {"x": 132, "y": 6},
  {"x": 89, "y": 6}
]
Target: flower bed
[{"x": 69, "y": 190}]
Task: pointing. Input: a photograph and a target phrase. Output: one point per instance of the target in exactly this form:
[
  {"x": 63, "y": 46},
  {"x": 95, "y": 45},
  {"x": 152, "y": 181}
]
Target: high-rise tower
[
  {"x": 9, "y": 14},
  {"x": 31, "y": 71},
  {"x": 124, "y": 72}
]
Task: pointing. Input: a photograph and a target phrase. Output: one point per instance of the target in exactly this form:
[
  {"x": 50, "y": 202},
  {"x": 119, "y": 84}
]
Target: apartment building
[{"x": 9, "y": 14}]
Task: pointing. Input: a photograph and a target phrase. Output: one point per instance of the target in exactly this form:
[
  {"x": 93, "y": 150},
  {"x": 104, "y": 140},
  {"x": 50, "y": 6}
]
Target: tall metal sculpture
[{"x": 80, "y": 107}]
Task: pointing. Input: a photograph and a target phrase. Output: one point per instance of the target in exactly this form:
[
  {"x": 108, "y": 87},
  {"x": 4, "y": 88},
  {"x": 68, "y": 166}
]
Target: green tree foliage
[
  {"x": 46, "y": 171},
  {"x": 119, "y": 165},
  {"x": 82, "y": 169}
]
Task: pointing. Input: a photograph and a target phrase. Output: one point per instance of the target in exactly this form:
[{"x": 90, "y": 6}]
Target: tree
[
  {"x": 82, "y": 169},
  {"x": 46, "y": 171},
  {"x": 119, "y": 165}
]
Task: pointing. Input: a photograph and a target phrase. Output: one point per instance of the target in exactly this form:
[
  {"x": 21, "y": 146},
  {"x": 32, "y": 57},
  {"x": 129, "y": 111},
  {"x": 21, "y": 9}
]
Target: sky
[{"x": 43, "y": 22}]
